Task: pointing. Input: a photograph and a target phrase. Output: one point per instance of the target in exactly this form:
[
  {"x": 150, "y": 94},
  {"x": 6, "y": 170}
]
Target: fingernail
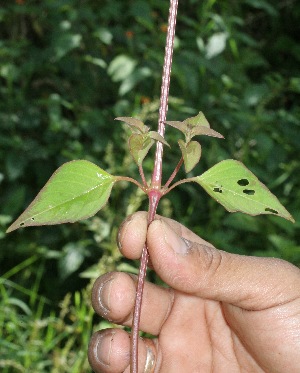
[
  {"x": 179, "y": 244},
  {"x": 104, "y": 295},
  {"x": 122, "y": 230},
  {"x": 104, "y": 348},
  {"x": 119, "y": 237}
]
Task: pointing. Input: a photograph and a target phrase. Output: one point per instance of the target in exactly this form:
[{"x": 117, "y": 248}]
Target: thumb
[{"x": 248, "y": 282}]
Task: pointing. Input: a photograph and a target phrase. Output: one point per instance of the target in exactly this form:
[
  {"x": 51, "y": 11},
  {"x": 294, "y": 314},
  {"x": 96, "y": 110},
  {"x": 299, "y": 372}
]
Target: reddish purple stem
[
  {"x": 154, "y": 192},
  {"x": 164, "y": 95}
]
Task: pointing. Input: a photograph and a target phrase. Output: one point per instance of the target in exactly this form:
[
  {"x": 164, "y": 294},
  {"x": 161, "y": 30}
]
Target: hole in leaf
[
  {"x": 250, "y": 192},
  {"x": 243, "y": 182},
  {"x": 271, "y": 210},
  {"x": 218, "y": 190},
  {"x": 21, "y": 224},
  {"x": 32, "y": 219}
]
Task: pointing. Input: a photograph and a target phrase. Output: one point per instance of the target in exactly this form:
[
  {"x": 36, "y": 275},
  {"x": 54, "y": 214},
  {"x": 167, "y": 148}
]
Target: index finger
[{"x": 133, "y": 234}]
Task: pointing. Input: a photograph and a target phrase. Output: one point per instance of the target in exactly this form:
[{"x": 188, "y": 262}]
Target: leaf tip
[
  {"x": 291, "y": 219},
  {"x": 14, "y": 226},
  {"x": 10, "y": 229}
]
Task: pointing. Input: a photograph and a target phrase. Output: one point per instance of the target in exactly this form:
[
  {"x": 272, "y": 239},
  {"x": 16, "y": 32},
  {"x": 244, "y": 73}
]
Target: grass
[{"x": 38, "y": 336}]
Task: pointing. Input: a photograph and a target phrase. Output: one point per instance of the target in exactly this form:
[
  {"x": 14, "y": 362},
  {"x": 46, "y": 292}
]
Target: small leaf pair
[
  {"x": 141, "y": 140},
  {"x": 194, "y": 126},
  {"x": 191, "y": 150}
]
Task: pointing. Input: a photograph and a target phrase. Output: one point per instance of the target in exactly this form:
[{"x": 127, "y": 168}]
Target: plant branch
[
  {"x": 188, "y": 180},
  {"x": 174, "y": 173},
  {"x": 164, "y": 96},
  {"x": 141, "y": 171},
  {"x": 131, "y": 180}
]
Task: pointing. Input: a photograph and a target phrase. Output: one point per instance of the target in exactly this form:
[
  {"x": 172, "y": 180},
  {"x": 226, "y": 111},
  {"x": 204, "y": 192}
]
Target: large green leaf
[
  {"x": 76, "y": 190},
  {"x": 238, "y": 189}
]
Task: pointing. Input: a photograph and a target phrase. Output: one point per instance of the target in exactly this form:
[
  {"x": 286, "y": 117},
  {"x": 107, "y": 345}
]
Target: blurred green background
[{"x": 67, "y": 69}]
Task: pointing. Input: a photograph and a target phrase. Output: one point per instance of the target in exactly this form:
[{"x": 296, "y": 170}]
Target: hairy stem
[
  {"x": 155, "y": 192},
  {"x": 154, "y": 198},
  {"x": 137, "y": 310},
  {"x": 141, "y": 171},
  {"x": 164, "y": 95}
]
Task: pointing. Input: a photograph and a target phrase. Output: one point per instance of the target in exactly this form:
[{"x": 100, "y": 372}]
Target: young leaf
[
  {"x": 238, "y": 189},
  {"x": 181, "y": 126},
  {"x": 139, "y": 145},
  {"x": 76, "y": 190},
  {"x": 198, "y": 120},
  {"x": 135, "y": 124},
  {"x": 202, "y": 130},
  {"x": 157, "y": 137},
  {"x": 191, "y": 154},
  {"x": 193, "y": 126}
]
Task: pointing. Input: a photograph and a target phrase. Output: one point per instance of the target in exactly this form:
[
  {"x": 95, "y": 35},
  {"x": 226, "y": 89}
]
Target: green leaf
[
  {"x": 137, "y": 76},
  {"x": 139, "y": 145},
  {"x": 157, "y": 137},
  {"x": 135, "y": 124},
  {"x": 198, "y": 120},
  {"x": 193, "y": 126},
  {"x": 64, "y": 44},
  {"x": 238, "y": 189},
  {"x": 76, "y": 191},
  {"x": 121, "y": 67},
  {"x": 191, "y": 154},
  {"x": 202, "y": 130},
  {"x": 72, "y": 256},
  {"x": 181, "y": 126}
]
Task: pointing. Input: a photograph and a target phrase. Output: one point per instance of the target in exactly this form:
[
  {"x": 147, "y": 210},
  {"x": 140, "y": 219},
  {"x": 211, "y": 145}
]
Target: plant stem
[
  {"x": 143, "y": 176},
  {"x": 174, "y": 173},
  {"x": 131, "y": 180},
  {"x": 155, "y": 192},
  {"x": 164, "y": 95},
  {"x": 188, "y": 180},
  {"x": 154, "y": 197}
]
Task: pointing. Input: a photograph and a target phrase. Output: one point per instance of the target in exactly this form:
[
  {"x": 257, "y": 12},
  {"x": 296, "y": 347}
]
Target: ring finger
[{"x": 109, "y": 352}]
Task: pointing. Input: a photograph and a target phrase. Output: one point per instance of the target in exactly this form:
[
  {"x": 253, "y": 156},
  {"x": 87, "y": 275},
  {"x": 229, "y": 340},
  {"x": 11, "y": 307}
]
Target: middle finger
[{"x": 113, "y": 297}]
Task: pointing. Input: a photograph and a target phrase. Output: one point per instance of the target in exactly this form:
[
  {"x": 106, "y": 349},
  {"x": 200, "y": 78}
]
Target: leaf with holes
[
  {"x": 191, "y": 154},
  {"x": 238, "y": 189},
  {"x": 76, "y": 191}
]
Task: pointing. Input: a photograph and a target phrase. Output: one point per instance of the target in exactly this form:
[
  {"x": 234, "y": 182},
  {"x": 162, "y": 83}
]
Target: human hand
[{"x": 222, "y": 312}]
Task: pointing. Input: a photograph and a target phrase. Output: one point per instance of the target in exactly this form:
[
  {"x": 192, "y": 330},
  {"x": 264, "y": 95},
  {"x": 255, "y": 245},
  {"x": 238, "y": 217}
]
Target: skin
[{"x": 221, "y": 313}]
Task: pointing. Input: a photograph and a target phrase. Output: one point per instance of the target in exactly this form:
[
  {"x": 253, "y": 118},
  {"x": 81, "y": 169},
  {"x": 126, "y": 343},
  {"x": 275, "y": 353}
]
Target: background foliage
[{"x": 67, "y": 69}]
